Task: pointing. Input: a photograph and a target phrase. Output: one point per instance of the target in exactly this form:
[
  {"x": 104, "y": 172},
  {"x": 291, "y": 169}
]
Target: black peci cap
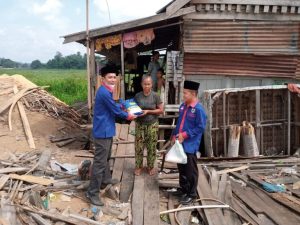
[
  {"x": 191, "y": 85},
  {"x": 109, "y": 69}
]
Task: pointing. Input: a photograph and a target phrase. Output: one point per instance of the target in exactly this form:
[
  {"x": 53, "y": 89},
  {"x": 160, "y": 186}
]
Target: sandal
[
  {"x": 138, "y": 171},
  {"x": 152, "y": 171}
]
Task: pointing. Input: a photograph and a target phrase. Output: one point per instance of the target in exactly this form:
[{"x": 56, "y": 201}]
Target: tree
[{"x": 36, "y": 64}]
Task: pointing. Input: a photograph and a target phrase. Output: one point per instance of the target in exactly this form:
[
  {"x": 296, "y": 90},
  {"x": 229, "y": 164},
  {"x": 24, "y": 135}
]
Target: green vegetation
[{"x": 69, "y": 86}]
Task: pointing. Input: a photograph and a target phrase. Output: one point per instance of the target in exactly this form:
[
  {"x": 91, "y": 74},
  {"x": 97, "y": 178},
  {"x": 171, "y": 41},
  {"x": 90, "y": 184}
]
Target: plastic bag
[
  {"x": 176, "y": 154},
  {"x": 132, "y": 107}
]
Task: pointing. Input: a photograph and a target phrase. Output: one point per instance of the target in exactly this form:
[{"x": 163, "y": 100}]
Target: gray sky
[{"x": 31, "y": 29}]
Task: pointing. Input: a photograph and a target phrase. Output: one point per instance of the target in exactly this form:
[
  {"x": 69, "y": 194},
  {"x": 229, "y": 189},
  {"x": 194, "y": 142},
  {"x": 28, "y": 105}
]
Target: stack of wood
[
  {"x": 42, "y": 101},
  {"x": 25, "y": 182},
  {"x": 241, "y": 184},
  {"x": 35, "y": 99}
]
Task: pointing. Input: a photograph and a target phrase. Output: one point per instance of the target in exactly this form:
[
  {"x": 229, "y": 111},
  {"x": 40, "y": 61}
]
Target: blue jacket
[
  {"x": 191, "y": 123},
  {"x": 105, "y": 111}
]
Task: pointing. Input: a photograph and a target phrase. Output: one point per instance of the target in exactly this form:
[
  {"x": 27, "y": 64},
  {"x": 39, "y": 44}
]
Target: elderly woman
[{"x": 147, "y": 126}]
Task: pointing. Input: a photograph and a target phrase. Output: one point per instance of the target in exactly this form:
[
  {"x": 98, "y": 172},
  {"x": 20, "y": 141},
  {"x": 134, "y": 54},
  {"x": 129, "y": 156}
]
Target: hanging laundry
[
  {"x": 145, "y": 36},
  {"x": 175, "y": 66},
  {"x": 108, "y": 42},
  {"x": 130, "y": 40}
]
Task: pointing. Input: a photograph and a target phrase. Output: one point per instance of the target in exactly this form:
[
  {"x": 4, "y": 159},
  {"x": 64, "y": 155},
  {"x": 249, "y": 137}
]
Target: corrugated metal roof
[
  {"x": 241, "y": 37},
  {"x": 240, "y": 65}
]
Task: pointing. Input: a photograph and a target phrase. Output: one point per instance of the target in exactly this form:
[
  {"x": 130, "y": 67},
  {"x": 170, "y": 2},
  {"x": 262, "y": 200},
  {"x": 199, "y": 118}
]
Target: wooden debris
[
  {"x": 213, "y": 216},
  {"x": 25, "y": 122},
  {"x": 32, "y": 179},
  {"x": 13, "y": 170},
  {"x": 232, "y": 170},
  {"x": 3, "y": 180},
  {"x": 64, "y": 143}
]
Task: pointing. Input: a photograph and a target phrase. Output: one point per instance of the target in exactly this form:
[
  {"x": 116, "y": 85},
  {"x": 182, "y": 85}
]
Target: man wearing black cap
[
  {"x": 189, "y": 130},
  {"x": 105, "y": 111}
]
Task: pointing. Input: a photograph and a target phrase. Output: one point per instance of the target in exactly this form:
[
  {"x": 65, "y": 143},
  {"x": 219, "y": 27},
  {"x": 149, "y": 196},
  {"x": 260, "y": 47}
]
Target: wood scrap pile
[
  {"x": 258, "y": 191},
  {"x": 28, "y": 184},
  {"x": 42, "y": 101}
]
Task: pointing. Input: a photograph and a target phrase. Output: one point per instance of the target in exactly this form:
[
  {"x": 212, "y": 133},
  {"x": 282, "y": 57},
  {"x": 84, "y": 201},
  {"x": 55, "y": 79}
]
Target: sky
[{"x": 32, "y": 29}]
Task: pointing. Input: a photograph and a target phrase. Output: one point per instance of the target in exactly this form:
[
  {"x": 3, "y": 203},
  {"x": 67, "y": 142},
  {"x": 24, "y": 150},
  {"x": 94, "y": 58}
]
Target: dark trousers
[
  {"x": 188, "y": 175},
  {"x": 100, "y": 170}
]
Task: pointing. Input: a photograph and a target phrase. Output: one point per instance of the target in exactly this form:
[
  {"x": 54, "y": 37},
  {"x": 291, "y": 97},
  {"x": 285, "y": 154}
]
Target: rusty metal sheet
[
  {"x": 241, "y": 37},
  {"x": 241, "y": 65}
]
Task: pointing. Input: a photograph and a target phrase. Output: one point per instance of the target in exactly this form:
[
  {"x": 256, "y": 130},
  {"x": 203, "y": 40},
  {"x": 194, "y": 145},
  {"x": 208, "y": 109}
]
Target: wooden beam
[
  {"x": 274, "y": 9},
  {"x": 175, "y": 6},
  {"x": 257, "y": 120},
  {"x": 250, "y": 2},
  {"x": 25, "y": 122},
  {"x": 207, "y": 7},
  {"x": 213, "y": 216},
  {"x": 232, "y": 170},
  {"x": 119, "y": 163},
  {"x": 128, "y": 171},
  {"x": 122, "y": 81},
  {"x": 138, "y": 200},
  {"x": 240, "y": 16},
  {"x": 93, "y": 74},
  {"x": 289, "y": 123},
  {"x": 248, "y": 8},
  {"x": 224, "y": 124},
  {"x": 15, "y": 98},
  {"x": 266, "y": 8},
  {"x": 293, "y": 9},
  {"x": 222, "y": 7},
  {"x": 151, "y": 201},
  {"x": 284, "y": 9},
  {"x": 215, "y": 7},
  {"x": 256, "y": 9},
  {"x": 3, "y": 180},
  {"x": 13, "y": 170},
  {"x": 171, "y": 206},
  {"x": 32, "y": 179},
  {"x": 118, "y": 28}
]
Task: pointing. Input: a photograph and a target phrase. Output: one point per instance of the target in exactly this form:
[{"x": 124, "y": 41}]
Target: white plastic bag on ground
[{"x": 176, "y": 154}]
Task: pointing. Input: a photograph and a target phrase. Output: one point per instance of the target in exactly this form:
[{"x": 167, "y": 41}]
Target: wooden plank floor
[{"x": 144, "y": 189}]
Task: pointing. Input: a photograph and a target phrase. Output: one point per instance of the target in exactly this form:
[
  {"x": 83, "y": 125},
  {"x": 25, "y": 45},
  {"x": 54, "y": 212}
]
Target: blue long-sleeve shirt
[
  {"x": 105, "y": 111},
  {"x": 191, "y": 123}
]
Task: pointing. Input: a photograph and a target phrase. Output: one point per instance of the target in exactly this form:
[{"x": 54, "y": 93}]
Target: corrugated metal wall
[
  {"x": 241, "y": 37},
  {"x": 242, "y": 48},
  {"x": 284, "y": 66}
]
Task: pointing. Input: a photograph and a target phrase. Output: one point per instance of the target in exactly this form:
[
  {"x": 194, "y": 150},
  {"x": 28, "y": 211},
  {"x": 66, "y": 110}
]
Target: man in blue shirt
[
  {"x": 189, "y": 130},
  {"x": 105, "y": 111}
]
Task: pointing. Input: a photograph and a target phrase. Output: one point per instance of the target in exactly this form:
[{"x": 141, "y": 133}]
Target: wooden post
[
  {"x": 289, "y": 124},
  {"x": 224, "y": 123},
  {"x": 93, "y": 74},
  {"x": 88, "y": 59},
  {"x": 257, "y": 119},
  {"x": 122, "y": 71}
]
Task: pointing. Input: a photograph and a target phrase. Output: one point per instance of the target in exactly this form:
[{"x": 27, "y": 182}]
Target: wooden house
[{"x": 222, "y": 44}]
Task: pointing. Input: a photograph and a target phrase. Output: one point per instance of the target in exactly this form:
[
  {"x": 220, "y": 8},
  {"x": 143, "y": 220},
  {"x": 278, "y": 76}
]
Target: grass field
[{"x": 69, "y": 86}]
